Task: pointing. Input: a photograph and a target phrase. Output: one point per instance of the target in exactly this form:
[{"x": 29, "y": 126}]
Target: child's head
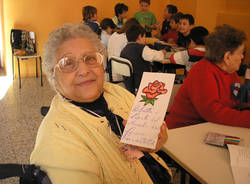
[
  {"x": 174, "y": 20},
  {"x": 130, "y": 22},
  {"x": 186, "y": 24},
  {"x": 121, "y": 10},
  {"x": 108, "y": 25},
  {"x": 197, "y": 36},
  {"x": 169, "y": 11},
  {"x": 89, "y": 13},
  {"x": 136, "y": 33},
  {"x": 144, "y": 5}
]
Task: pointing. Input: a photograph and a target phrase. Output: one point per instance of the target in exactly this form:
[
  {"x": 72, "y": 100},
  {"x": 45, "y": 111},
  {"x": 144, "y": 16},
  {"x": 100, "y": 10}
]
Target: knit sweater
[
  {"x": 206, "y": 96},
  {"x": 73, "y": 146}
]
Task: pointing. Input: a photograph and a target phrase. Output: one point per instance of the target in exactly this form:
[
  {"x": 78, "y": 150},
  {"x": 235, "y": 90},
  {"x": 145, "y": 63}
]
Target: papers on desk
[
  {"x": 240, "y": 163},
  {"x": 148, "y": 112}
]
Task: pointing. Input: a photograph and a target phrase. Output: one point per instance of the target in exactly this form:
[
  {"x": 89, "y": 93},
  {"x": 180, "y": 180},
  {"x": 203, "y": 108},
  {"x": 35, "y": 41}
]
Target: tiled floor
[{"x": 19, "y": 120}]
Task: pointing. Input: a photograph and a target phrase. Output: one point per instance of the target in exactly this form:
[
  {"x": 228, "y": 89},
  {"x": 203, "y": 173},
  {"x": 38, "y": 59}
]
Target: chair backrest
[
  {"x": 22, "y": 40},
  {"x": 123, "y": 67}
]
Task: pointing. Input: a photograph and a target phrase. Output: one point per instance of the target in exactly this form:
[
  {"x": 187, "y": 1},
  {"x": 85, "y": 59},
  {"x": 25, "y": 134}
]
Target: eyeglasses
[{"x": 70, "y": 63}]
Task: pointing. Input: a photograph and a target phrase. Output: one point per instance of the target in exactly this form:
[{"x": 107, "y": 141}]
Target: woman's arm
[{"x": 205, "y": 93}]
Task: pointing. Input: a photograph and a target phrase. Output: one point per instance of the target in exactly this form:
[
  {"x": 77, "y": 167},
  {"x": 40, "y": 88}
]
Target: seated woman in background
[
  {"x": 206, "y": 94},
  {"x": 79, "y": 139}
]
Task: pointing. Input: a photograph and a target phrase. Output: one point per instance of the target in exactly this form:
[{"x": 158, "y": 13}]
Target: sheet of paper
[
  {"x": 149, "y": 110},
  {"x": 240, "y": 163}
]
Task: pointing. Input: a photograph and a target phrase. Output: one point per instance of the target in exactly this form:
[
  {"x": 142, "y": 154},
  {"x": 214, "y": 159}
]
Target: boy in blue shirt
[{"x": 89, "y": 14}]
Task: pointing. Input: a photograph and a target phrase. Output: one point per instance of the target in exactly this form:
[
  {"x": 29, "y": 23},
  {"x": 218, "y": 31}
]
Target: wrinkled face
[
  {"x": 184, "y": 27},
  {"x": 173, "y": 25},
  {"x": 86, "y": 83},
  {"x": 233, "y": 60},
  {"x": 144, "y": 6}
]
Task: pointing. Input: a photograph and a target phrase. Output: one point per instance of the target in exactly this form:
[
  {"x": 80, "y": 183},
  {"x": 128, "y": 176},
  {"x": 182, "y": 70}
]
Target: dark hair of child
[
  {"x": 175, "y": 18},
  {"x": 198, "y": 34},
  {"x": 107, "y": 22},
  {"x": 134, "y": 31},
  {"x": 172, "y": 9},
  {"x": 120, "y": 8},
  {"x": 88, "y": 12},
  {"x": 130, "y": 22},
  {"x": 145, "y": 1},
  {"x": 189, "y": 17}
]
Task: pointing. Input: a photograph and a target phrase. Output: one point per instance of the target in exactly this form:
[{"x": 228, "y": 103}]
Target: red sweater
[{"x": 206, "y": 96}]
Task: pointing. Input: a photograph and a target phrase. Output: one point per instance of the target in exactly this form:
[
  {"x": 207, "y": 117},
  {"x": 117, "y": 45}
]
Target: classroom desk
[{"x": 207, "y": 163}]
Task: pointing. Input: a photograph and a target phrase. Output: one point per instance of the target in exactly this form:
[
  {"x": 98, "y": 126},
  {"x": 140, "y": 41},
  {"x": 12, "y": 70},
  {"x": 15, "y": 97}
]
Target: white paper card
[
  {"x": 148, "y": 112},
  {"x": 240, "y": 163}
]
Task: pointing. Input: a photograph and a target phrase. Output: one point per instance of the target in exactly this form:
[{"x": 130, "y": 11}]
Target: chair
[
  {"x": 28, "y": 174},
  {"x": 23, "y": 47},
  {"x": 122, "y": 67}
]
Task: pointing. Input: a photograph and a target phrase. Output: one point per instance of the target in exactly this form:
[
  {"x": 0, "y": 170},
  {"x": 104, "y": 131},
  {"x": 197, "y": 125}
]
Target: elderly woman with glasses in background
[
  {"x": 207, "y": 94},
  {"x": 78, "y": 140}
]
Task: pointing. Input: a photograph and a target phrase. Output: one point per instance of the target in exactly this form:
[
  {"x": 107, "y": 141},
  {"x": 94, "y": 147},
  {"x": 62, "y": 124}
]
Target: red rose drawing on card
[{"x": 152, "y": 91}]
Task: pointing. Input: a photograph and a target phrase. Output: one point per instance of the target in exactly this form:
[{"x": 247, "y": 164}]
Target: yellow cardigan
[{"x": 74, "y": 147}]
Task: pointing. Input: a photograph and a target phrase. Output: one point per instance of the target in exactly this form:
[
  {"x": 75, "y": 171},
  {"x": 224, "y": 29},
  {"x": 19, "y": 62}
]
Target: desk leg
[
  {"x": 41, "y": 72},
  {"x": 19, "y": 77}
]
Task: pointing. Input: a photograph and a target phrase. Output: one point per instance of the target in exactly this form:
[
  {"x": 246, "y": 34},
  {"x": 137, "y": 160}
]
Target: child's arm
[
  {"x": 180, "y": 57},
  {"x": 153, "y": 55}
]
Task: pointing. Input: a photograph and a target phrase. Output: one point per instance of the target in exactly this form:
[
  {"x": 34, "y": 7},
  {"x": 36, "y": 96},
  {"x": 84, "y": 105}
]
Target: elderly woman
[
  {"x": 78, "y": 140},
  {"x": 206, "y": 93}
]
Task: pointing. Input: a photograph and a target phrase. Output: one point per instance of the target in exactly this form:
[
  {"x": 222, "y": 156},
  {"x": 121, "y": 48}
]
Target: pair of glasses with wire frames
[{"x": 70, "y": 63}]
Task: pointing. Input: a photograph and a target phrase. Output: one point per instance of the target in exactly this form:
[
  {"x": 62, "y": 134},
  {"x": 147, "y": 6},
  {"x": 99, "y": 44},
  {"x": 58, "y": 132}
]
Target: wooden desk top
[{"x": 207, "y": 163}]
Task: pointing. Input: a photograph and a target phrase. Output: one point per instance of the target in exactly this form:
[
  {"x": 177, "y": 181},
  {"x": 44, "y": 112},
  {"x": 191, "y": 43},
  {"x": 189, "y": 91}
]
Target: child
[
  {"x": 108, "y": 27},
  {"x": 185, "y": 25},
  {"x": 120, "y": 17},
  {"x": 168, "y": 12},
  {"x": 89, "y": 14},
  {"x": 139, "y": 54},
  {"x": 146, "y": 18},
  {"x": 196, "y": 49},
  {"x": 172, "y": 35},
  {"x": 118, "y": 40}
]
